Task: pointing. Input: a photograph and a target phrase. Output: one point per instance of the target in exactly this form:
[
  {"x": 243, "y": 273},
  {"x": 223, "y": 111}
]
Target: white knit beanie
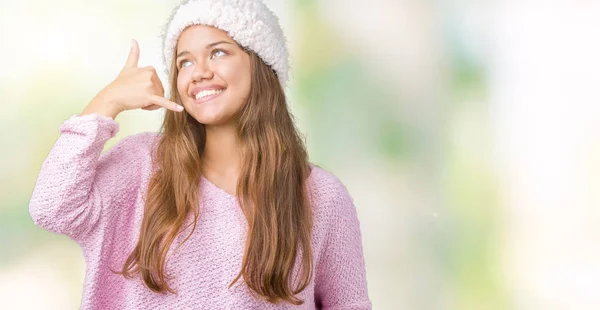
[{"x": 249, "y": 22}]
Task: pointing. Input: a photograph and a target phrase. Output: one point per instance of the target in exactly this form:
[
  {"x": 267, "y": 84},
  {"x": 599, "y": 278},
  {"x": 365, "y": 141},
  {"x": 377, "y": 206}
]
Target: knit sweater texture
[{"x": 97, "y": 199}]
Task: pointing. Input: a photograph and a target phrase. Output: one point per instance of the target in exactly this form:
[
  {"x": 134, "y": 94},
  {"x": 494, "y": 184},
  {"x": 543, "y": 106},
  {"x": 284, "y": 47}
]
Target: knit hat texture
[{"x": 249, "y": 22}]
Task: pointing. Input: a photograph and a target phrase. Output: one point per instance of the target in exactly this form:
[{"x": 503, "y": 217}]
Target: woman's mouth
[{"x": 207, "y": 95}]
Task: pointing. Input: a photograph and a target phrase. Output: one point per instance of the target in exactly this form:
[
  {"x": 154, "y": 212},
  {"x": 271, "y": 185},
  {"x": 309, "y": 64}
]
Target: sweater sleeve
[
  {"x": 340, "y": 273},
  {"x": 76, "y": 183}
]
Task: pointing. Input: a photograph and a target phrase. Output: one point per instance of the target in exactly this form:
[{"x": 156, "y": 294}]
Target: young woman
[{"x": 221, "y": 209}]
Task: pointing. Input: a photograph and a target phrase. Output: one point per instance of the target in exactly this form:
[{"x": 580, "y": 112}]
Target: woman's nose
[{"x": 201, "y": 71}]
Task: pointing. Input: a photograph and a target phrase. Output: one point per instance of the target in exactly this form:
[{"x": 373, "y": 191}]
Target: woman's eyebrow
[
  {"x": 217, "y": 43},
  {"x": 207, "y": 47}
]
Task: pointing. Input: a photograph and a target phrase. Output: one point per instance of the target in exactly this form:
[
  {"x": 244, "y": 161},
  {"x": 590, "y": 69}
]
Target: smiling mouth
[{"x": 207, "y": 95}]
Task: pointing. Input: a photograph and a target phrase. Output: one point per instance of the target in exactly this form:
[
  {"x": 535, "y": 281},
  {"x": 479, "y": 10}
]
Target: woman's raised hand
[{"x": 134, "y": 88}]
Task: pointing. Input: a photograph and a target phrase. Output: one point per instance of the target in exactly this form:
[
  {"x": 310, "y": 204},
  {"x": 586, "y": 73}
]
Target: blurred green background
[{"x": 466, "y": 131}]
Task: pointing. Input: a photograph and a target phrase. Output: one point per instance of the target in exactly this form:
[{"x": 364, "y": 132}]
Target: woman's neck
[{"x": 222, "y": 153}]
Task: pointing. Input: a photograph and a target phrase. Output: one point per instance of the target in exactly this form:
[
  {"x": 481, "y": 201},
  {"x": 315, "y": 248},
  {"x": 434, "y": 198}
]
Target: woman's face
[{"x": 214, "y": 74}]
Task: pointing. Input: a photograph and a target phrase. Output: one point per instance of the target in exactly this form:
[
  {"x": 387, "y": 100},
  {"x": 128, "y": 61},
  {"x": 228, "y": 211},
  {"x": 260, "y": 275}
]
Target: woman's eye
[
  {"x": 182, "y": 64},
  {"x": 217, "y": 53}
]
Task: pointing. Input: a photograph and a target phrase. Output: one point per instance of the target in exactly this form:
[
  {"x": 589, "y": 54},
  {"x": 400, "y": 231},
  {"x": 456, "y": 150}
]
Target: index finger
[{"x": 162, "y": 101}]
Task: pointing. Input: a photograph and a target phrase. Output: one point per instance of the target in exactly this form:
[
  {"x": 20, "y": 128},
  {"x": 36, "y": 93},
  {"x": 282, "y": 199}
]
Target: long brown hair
[{"x": 270, "y": 189}]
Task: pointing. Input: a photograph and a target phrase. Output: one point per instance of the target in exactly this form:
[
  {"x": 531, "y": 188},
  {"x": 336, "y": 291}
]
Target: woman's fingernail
[{"x": 179, "y": 108}]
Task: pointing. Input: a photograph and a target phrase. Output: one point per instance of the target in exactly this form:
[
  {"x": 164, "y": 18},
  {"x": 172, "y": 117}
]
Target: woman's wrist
[{"x": 101, "y": 106}]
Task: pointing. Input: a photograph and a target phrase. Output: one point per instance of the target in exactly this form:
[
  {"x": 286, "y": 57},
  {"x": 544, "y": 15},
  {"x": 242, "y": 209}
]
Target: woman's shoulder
[
  {"x": 326, "y": 189},
  {"x": 133, "y": 148},
  {"x": 142, "y": 141},
  {"x": 334, "y": 210}
]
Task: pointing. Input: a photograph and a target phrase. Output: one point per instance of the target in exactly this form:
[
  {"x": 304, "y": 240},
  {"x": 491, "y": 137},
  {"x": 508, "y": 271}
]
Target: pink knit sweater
[{"x": 98, "y": 201}]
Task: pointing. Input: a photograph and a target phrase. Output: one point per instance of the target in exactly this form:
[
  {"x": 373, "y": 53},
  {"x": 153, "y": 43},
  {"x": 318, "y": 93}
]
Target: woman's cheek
[{"x": 181, "y": 78}]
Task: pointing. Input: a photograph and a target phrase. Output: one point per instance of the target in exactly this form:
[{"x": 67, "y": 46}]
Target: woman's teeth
[{"x": 205, "y": 93}]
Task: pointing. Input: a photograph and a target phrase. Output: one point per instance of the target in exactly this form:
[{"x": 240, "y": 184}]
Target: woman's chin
[
  {"x": 209, "y": 119},
  {"x": 210, "y": 113}
]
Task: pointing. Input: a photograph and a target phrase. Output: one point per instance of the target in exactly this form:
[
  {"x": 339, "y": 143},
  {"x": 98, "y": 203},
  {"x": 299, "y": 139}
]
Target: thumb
[{"x": 134, "y": 55}]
